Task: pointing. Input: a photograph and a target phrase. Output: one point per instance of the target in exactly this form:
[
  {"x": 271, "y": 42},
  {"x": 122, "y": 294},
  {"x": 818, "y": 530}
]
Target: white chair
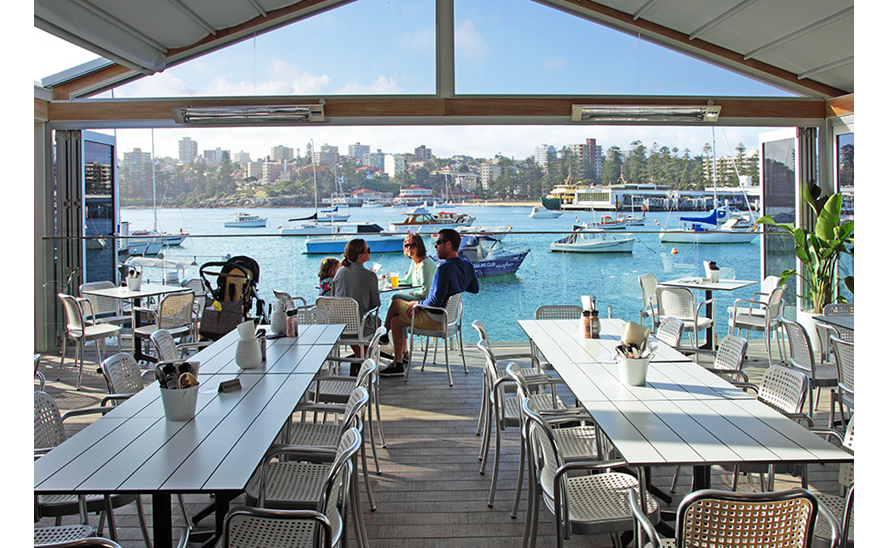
[
  {"x": 49, "y": 432},
  {"x": 554, "y": 312},
  {"x": 760, "y": 315},
  {"x": 648, "y": 283},
  {"x": 123, "y": 378},
  {"x": 106, "y": 309},
  {"x": 679, "y": 303},
  {"x": 584, "y": 497},
  {"x": 167, "y": 350},
  {"x": 845, "y": 393},
  {"x": 308, "y": 479},
  {"x": 803, "y": 359},
  {"x": 450, "y": 326},
  {"x": 175, "y": 314},
  {"x": 345, "y": 310},
  {"x": 669, "y": 331},
  {"x": 81, "y": 331},
  {"x": 841, "y": 507},
  {"x": 288, "y": 300}
]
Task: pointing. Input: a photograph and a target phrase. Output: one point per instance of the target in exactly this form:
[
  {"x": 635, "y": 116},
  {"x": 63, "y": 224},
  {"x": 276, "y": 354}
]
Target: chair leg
[
  {"x": 376, "y": 398},
  {"x": 481, "y": 409},
  {"x": 370, "y": 497},
  {"x": 462, "y": 355},
  {"x": 496, "y": 466},
  {"x": 447, "y": 362},
  {"x": 675, "y": 480},
  {"x": 518, "y": 485},
  {"x": 80, "y": 352},
  {"x": 62, "y": 361},
  {"x": 490, "y": 423}
]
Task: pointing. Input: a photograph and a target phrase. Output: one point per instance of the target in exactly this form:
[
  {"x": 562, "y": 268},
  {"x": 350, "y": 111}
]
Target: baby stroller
[{"x": 232, "y": 295}]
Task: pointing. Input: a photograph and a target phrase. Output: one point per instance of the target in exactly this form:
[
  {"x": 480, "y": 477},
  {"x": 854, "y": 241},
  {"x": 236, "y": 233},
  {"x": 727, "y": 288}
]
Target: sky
[{"x": 387, "y": 46}]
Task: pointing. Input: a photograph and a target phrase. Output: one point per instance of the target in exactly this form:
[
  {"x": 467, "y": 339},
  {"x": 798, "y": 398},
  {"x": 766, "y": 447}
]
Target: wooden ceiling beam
[
  {"x": 475, "y": 109},
  {"x": 840, "y": 106}
]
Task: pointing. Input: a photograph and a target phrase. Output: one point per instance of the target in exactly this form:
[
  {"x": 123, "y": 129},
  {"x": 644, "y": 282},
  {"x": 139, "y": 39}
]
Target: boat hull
[
  {"x": 551, "y": 203},
  {"x": 594, "y": 245},
  {"x": 258, "y": 223},
  {"x": 501, "y": 265},
  {"x": 149, "y": 247},
  {"x": 404, "y": 228},
  {"x": 335, "y": 245},
  {"x": 537, "y": 213},
  {"x": 706, "y": 237}
]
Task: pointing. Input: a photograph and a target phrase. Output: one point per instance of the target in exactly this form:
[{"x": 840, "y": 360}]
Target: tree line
[{"x": 186, "y": 185}]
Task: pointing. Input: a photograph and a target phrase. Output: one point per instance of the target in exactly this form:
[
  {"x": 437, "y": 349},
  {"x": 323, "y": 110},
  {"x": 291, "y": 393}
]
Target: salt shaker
[
  {"x": 292, "y": 328},
  {"x": 595, "y": 327}
]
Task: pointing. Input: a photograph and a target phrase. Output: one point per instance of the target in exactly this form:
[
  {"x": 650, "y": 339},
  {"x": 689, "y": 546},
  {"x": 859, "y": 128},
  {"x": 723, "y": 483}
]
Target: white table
[
  {"x": 134, "y": 449},
  {"x": 125, "y": 294},
  {"x": 684, "y": 415},
  {"x": 709, "y": 287}
]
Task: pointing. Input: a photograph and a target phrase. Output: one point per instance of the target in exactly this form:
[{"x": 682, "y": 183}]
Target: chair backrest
[
  {"x": 845, "y": 353},
  {"x": 341, "y": 310},
  {"x": 839, "y": 309},
  {"x": 648, "y": 282},
  {"x": 847, "y": 469},
  {"x": 122, "y": 374},
  {"x": 247, "y": 527},
  {"x": 825, "y": 333},
  {"x": 337, "y": 483},
  {"x": 558, "y": 312},
  {"x": 176, "y": 310},
  {"x": 677, "y": 302},
  {"x": 669, "y": 331},
  {"x": 545, "y": 457},
  {"x": 775, "y": 299},
  {"x": 74, "y": 314},
  {"x": 783, "y": 389},
  {"x": 198, "y": 286},
  {"x": 769, "y": 284},
  {"x": 354, "y": 409},
  {"x": 801, "y": 355},
  {"x": 452, "y": 306},
  {"x": 165, "y": 345},
  {"x": 102, "y": 306},
  {"x": 306, "y": 315},
  {"x": 48, "y": 429},
  {"x": 717, "y": 518},
  {"x": 731, "y": 352},
  {"x": 366, "y": 373},
  {"x": 482, "y": 333}
]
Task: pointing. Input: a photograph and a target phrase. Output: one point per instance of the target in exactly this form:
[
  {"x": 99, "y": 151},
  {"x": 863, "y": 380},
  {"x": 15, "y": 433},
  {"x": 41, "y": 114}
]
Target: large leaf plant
[{"x": 819, "y": 251}]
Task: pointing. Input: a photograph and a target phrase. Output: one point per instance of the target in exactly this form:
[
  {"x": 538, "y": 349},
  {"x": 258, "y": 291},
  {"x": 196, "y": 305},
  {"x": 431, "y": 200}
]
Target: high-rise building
[
  {"x": 254, "y": 169},
  {"x": 374, "y": 159},
  {"x": 423, "y": 153},
  {"x": 541, "y": 154},
  {"x": 590, "y": 156},
  {"x": 215, "y": 156},
  {"x": 137, "y": 165},
  {"x": 271, "y": 171},
  {"x": 394, "y": 164},
  {"x": 242, "y": 157},
  {"x": 188, "y": 150},
  {"x": 357, "y": 151},
  {"x": 281, "y": 152},
  {"x": 488, "y": 172},
  {"x": 327, "y": 155}
]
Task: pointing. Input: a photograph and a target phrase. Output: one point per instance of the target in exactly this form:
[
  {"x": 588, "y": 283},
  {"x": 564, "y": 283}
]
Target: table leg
[
  {"x": 700, "y": 478},
  {"x": 222, "y": 503},
  {"x": 710, "y": 344},
  {"x": 162, "y": 520}
]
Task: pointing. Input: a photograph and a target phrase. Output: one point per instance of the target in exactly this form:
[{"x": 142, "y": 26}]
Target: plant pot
[{"x": 806, "y": 318}]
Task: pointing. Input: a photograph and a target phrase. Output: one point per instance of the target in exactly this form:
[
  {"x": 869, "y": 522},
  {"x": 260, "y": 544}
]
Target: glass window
[{"x": 779, "y": 201}]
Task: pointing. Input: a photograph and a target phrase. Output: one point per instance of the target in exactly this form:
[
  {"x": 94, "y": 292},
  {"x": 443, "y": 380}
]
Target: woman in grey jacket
[{"x": 355, "y": 281}]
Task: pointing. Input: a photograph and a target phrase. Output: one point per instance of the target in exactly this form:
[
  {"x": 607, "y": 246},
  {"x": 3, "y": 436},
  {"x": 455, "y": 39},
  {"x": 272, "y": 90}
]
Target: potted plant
[{"x": 819, "y": 250}]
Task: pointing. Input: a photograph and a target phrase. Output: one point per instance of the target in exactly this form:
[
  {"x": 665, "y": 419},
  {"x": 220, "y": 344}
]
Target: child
[{"x": 329, "y": 266}]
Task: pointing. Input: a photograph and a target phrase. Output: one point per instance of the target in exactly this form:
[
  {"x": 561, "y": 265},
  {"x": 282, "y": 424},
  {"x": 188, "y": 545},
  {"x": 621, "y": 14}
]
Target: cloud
[
  {"x": 163, "y": 84},
  {"x": 470, "y": 43},
  {"x": 381, "y": 86},
  {"x": 289, "y": 81},
  {"x": 423, "y": 40},
  {"x": 554, "y": 64}
]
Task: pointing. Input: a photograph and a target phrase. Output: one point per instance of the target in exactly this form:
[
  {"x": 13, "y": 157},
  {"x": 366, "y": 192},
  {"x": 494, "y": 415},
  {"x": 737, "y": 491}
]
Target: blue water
[{"x": 544, "y": 277}]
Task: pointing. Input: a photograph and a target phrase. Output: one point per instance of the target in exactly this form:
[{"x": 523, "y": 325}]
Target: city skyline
[{"x": 387, "y": 47}]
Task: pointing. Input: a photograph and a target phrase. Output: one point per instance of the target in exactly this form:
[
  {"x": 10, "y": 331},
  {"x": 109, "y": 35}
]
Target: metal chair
[
  {"x": 450, "y": 326},
  {"x": 553, "y": 312},
  {"x": 288, "y": 300},
  {"x": 649, "y": 283},
  {"x": 758, "y": 315},
  {"x": 250, "y": 527},
  {"x": 585, "y": 497},
  {"x": 504, "y": 412},
  {"x": 309, "y": 315},
  {"x": 123, "y": 377},
  {"x": 38, "y": 376},
  {"x": 71, "y": 536},
  {"x": 529, "y": 371},
  {"x": 310, "y": 479},
  {"x": 784, "y": 390},
  {"x": 336, "y": 390},
  {"x": 669, "y": 331},
  {"x": 345, "y": 310},
  {"x": 842, "y": 507},
  {"x": 167, "y": 350},
  {"x": 326, "y": 435},
  {"x": 49, "y": 432},
  {"x": 724, "y": 518},
  {"x": 679, "y": 303},
  {"x": 573, "y": 427},
  {"x": 175, "y": 314},
  {"x": 845, "y": 393},
  {"x": 802, "y": 358},
  {"x": 106, "y": 309},
  {"x": 81, "y": 331}
]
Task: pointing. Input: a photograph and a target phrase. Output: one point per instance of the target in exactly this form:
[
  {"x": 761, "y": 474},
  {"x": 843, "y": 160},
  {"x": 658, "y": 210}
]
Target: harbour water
[{"x": 544, "y": 278}]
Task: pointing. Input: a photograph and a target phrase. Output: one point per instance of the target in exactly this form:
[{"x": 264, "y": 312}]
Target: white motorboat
[
  {"x": 328, "y": 229},
  {"x": 372, "y": 203},
  {"x": 246, "y": 220},
  {"x": 165, "y": 238},
  {"x": 697, "y": 233},
  {"x": 421, "y": 220},
  {"x": 333, "y": 215},
  {"x": 607, "y": 223},
  {"x": 543, "y": 213},
  {"x": 596, "y": 241}
]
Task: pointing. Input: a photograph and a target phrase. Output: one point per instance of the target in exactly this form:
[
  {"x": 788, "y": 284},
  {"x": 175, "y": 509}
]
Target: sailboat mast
[
  {"x": 315, "y": 179},
  {"x": 713, "y": 138},
  {"x": 153, "y": 182}
]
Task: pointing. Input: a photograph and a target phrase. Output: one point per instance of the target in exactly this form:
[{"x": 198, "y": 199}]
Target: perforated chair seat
[
  {"x": 512, "y": 407},
  {"x": 330, "y": 391},
  {"x": 260, "y": 528},
  {"x": 576, "y": 442},
  {"x": 825, "y": 375},
  {"x": 316, "y": 434},
  {"x": 290, "y": 485},
  {"x": 47, "y": 536},
  {"x": 836, "y": 505},
  {"x": 600, "y": 503}
]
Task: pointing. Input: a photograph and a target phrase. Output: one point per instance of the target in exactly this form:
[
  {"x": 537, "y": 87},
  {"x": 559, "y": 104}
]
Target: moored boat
[
  {"x": 732, "y": 231},
  {"x": 585, "y": 241},
  {"x": 543, "y": 213},
  {"x": 608, "y": 223},
  {"x": 333, "y": 215},
  {"x": 489, "y": 257},
  {"x": 165, "y": 238},
  {"x": 336, "y": 244},
  {"x": 246, "y": 220},
  {"x": 313, "y": 228},
  {"x": 421, "y": 220}
]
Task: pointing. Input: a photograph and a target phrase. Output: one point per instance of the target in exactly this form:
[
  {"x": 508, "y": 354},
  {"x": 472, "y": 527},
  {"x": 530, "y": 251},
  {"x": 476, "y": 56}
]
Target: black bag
[{"x": 216, "y": 323}]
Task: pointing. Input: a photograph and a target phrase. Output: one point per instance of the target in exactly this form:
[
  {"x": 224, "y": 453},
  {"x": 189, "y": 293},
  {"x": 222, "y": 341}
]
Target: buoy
[
  {"x": 657, "y": 222},
  {"x": 674, "y": 251}
]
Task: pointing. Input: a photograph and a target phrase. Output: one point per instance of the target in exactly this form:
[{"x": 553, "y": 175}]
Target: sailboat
[{"x": 319, "y": 223}]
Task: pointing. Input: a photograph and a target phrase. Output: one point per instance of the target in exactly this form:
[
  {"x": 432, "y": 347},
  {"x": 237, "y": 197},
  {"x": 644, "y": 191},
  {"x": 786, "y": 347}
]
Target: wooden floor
[{"x": 430, "y": 493}]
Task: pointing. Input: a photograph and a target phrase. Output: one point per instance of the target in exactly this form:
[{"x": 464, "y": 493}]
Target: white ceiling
[{"x": 150, "y": 35}]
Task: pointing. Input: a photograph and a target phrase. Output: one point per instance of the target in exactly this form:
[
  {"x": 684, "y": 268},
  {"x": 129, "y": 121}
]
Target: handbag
[{"x": 221, "y": 318}]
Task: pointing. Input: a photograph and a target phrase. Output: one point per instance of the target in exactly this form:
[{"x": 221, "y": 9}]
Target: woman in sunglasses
[{"x": 421, "y": 270}]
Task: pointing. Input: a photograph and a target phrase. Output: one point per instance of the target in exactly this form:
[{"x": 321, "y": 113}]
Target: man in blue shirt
[{"x": 454, "y": 275}]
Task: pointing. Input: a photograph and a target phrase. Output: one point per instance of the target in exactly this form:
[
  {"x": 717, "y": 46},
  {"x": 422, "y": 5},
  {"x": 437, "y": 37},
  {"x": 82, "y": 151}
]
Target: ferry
[{"x": 560, "y": 195}]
